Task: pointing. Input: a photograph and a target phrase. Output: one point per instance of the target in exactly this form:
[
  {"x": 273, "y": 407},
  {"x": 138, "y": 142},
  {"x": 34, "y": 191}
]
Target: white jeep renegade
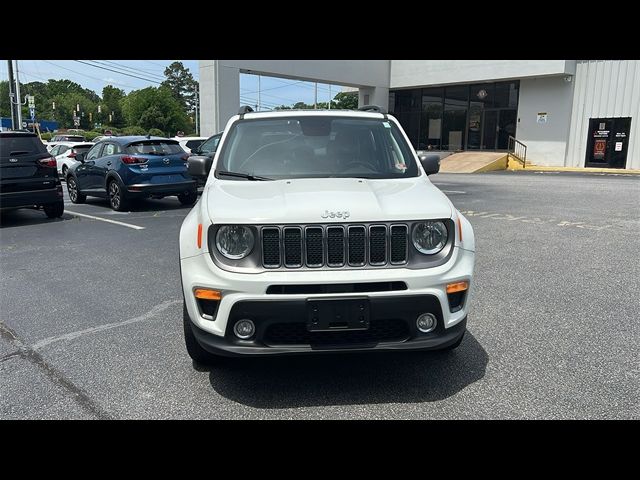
[{"x": 319, "y": 231}]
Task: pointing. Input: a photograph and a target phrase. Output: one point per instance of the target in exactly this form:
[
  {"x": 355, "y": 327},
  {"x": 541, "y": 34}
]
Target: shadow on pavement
[
  {"x": 27, "y": 216},
  {"x": 350, "y": 379},
  {"x": 138, "y": 205}
]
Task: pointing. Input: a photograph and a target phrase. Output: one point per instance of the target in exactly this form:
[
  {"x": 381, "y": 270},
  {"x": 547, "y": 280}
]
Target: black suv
[
  {"x": 202, "y": 157},
  {"x": 28, "y": 174}
]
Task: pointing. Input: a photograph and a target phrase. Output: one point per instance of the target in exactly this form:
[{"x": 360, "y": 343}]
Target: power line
[
  {"x": 123, "y": 67},
  {"x": 116, "y": 71},
  {"x": 89, "y": 76}
]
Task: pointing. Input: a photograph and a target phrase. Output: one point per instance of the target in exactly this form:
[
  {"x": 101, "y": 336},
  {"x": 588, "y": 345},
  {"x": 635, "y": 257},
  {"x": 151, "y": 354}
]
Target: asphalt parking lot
[{"x": 90, "y": 318}]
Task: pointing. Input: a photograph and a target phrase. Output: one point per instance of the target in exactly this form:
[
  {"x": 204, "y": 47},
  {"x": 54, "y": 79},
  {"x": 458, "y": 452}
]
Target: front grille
[
  {"x": 296, "y": 333},
  {"x": 334, "y": 246}
]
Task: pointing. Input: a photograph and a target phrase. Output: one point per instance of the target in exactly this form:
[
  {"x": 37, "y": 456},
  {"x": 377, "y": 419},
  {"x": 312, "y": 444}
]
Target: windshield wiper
[{"x": 243, "y": 175}]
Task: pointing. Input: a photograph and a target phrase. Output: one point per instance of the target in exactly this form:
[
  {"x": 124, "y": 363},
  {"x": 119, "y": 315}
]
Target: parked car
[
  {"x": 65, "y": 154},
  {"x": 56, "y": 139},
  {"x": 122, "y": 169},
  {"x": 319, "y": 231},
  {"x": 188, "y": 144},
  {"x": 101, "y": 137},
  {"x": 202, "y": 157},
  {"x": 28, "y": 174}
]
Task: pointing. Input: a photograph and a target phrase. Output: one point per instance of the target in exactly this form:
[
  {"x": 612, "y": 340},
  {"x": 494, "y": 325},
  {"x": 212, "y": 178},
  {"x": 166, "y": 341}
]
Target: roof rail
[
  {"x": 244, "y": 109},
  {"x": 372, "y": 108}
]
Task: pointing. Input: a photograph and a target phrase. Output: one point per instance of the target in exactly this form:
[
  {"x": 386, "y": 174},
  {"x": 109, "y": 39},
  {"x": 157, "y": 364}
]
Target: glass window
[
  {"x": 55, "y": 150},
  {"x": 457, "y": 95},
  {"x": 316, "y": 147},
  {"x": 211, "y": 145},
  {"x": 63, "y": 149},
  {"x": 483, "y": 94},
  {"x": 155, "y": 147},
  {"x": 20, "y": 145},
  {"x": 109, "y": 149},
  {"x": 507, "y": 94},
  {"x": 431, "y": 119},
  {"x": 454, "y": 125},
  {"x": 407, "y": 100},
  {"x": 193, "y": 144},
  {"x": 94, "y": 152}
]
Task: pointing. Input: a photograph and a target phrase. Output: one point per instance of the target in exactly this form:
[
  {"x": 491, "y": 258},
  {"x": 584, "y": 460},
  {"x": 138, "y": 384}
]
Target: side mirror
[
  {"x": 430, "y": 163},
  {"x": 80, "y": 157},
  {"x": 199, "y": 166}
]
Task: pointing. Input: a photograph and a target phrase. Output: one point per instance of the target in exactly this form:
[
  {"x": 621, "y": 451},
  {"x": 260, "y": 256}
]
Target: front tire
[
  {"x": 54, "y": 210},
  {"x": 117, "y": 198},
  {"x": 74, "y": 193},
  {"x": 188, "y": 199},
  {"x": 195, "y": 351},
  {"x": 65, "y": 169}
]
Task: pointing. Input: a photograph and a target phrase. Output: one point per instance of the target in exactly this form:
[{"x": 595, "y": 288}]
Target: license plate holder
[{"x": 337, "y": 314}]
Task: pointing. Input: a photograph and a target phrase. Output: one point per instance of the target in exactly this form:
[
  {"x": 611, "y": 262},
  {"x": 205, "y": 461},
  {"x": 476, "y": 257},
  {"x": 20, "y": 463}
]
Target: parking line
[
  {"x": 452, "y": 191},
  {"x": 122, "y": 224}
]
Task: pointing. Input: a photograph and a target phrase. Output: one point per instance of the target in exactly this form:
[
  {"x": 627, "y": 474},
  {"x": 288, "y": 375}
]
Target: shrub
[
  {"x": 156, "y": 132},
  {"x": 91, "y": 135},
  {"x": 134, "y": 131},
  {"x": 46, "y": 136}
]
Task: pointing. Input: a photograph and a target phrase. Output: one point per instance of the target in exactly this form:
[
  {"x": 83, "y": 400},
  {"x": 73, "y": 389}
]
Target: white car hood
[{"x": 308, "y": 200}]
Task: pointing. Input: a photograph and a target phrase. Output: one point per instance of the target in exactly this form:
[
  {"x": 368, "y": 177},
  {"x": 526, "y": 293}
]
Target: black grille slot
[
  {"x": 335, "y": 288},
  {"x": 335, "y": 246},
  {"x": 398, "y": 244},
  {"x": 293, "y": 247},
  {"x": 378, "y": 245},
  {"x": 314, "y": 246},
  {"x": 297, "y": 334},
  {"x": 356, "y": 246},
  {"x": 271, "y": 247}
]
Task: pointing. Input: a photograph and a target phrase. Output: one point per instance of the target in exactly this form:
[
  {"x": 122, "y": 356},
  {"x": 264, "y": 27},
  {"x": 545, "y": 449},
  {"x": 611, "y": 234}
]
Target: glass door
[{"x": 489, "y": 129}]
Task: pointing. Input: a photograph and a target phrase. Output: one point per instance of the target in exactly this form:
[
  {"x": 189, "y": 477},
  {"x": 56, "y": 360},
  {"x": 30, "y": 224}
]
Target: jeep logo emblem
[{"x": 328, "y": 214}]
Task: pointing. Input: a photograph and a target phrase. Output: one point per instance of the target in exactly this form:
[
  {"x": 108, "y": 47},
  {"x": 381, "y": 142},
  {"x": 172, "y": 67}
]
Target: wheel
[
  {"x": 65, "y": 169},
  {"x": 117, "y": 198},
  {"x": 54, "y": 210},
  {"x": 195, "y": 351},
  {"x": 74, "y": 193},
  {"x": 454, "y": 345},
  {"x": 188, "y": 198}
]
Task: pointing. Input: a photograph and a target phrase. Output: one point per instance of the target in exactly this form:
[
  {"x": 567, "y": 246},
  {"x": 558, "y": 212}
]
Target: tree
[
  {"x": 182, "y": 85},
  {"x": 111, "y": 102},
  {"x": 154, "y": 108},
  {"x": 345, "y": 101}
]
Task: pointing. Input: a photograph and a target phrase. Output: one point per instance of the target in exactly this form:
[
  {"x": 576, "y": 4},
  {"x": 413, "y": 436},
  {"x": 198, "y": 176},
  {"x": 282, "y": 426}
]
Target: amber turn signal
[
  {"x": 199, "y": 235},
  {"x": 207, "y": 294},
  {"x": 457, "y": 287}
]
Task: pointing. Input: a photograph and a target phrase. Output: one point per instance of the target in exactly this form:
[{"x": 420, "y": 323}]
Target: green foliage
[
  {"x": 111, "y": 105},
  {"x": 182, "y": 85},
  {"x": 5, "y": 106},
  {"x": 133, "y": 131},
  {"x": 46, "y": 136},
  {"x": 156, "y": 133},
  {"x": 155, "y": 108},
  {"x": 345, "y": 101},
  {"x": 91, "y": 135}
]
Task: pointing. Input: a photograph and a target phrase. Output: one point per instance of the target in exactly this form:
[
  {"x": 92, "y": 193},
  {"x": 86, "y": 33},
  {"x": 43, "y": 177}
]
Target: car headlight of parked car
[
  {"x": 429, "y": 237},
  {"x": 234, "y": 241}
]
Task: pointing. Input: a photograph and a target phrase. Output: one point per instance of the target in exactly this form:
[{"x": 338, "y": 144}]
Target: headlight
[
  {"x": 234, "y": 241},
  {"x": 429, "y": 237}
]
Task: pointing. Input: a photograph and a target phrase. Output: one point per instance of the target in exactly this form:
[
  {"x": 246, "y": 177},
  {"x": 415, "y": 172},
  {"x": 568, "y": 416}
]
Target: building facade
[{"x": 573, "y": 113}]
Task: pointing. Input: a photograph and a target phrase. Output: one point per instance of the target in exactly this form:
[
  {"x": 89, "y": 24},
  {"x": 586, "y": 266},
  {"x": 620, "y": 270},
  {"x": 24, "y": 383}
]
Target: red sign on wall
[{"x": 599, "y": 149}]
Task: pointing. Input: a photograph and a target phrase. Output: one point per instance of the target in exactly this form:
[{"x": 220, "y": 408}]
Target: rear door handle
[{"x": 108, "y": 163}]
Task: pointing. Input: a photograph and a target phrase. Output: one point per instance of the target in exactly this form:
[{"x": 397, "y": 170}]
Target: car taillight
[
  {"x": 72, "y": 155},
  {"x": 48, "y": 162},
  {"x": 130, "y": 160}
]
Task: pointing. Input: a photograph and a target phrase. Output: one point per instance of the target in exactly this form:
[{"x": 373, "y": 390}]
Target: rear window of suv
[
  {"x": 154, "y": 147},
  {"x": 17, "y": 145}
]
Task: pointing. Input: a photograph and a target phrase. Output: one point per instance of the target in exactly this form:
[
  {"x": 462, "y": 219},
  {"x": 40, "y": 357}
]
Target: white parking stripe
[
  {"x": 122, "y": 224},
  {"x": 452, "y": 191}
]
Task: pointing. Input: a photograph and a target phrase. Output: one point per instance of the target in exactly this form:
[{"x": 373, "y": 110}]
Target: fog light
[
  {"x": 426, "y": 322},
  {"x": 244, "y": 329}
]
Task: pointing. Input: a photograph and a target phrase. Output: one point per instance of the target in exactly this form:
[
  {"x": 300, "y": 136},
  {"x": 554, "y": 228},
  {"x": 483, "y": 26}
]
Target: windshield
[
  {"x": 210, "y": 145},
  {"x": 155, "y": 147},
  {"x": 316, "y": 147},
  {"x": 14, "y": 145}
]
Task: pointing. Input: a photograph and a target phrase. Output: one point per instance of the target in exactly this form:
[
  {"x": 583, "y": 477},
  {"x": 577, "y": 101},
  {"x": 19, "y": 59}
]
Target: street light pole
[
  {"x": 315, "y": 101},
  {"x": 259, "y": 103},
  {"x": 18, "y": 99},
  {"x": 197, "y": 106},
  {"x": 12, "y": 94}
]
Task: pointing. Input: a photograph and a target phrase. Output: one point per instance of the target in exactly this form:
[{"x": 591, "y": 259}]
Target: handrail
[{"x": 518, "y": 150}]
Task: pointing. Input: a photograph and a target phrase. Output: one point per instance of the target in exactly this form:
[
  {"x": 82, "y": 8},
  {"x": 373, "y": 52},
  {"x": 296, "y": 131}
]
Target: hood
[{"x": 315, "y": 200}]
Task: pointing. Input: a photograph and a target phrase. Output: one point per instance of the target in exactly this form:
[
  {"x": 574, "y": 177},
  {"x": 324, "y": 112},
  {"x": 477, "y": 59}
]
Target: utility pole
[
  {"x": 197, "y": 106},
  {"x": 12, "y": 95},
  {"x": 18, "y": 98},
  {"x": 259, "y": 103},
  {"x": 315, "y": 102},
  {"x": 330, "y": 98}
]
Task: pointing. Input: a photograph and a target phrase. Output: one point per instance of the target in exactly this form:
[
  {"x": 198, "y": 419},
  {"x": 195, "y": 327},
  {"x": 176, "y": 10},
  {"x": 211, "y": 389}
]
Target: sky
[{"x": 96, "y": 74}]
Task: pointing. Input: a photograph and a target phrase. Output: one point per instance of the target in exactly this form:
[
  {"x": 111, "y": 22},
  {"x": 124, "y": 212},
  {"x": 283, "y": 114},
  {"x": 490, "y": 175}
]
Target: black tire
[
  {"x": 188, "y": 199},
  {"x": 117, "y": 196},
  {"x": 74, "y": 193},
  {"x": 54, "y": 210},
  {"x": 65, "y": 169},
  {"x": 198, "y": 354},
  {"x": 454, "y": 345}
]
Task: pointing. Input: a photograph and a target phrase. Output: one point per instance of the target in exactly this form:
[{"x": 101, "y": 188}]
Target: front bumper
[
  {"x": 241, "y": 288},
  {"x": 161, "y": 189}
]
